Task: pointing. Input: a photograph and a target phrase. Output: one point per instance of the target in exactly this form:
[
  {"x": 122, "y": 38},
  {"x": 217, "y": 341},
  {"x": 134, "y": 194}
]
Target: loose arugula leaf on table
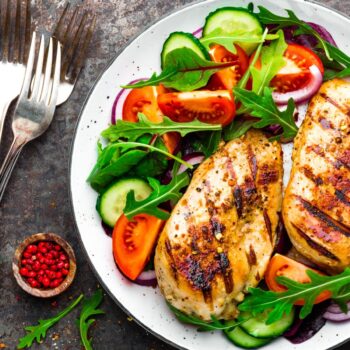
[
  {"x": 37, "y": 333},
  {"x": 185, "y": 71},
  {"x": 282, "y": 302},
  {"x": 218, "y": 36},
  {"x": 266, "y": 110},
  {"x": 132, "y": 131},
  {"x": 237, "y": 128},
  {"x": 272, "y": 61},
  {"x": 85, "y": 321},
  {"x": 214, "y": 325},
  {"x": 160, "y": 194}
]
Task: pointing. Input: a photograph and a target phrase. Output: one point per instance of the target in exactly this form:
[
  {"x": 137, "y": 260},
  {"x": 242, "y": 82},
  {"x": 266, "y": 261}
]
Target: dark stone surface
[{"x": 37, "y": 199}]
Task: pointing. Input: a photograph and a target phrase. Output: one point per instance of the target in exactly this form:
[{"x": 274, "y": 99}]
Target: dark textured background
[{"x": 37, "y": 199}]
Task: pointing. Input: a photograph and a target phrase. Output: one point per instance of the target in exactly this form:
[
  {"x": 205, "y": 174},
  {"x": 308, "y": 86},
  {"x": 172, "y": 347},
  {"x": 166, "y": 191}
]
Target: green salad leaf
[
  {"x": 85, "y": 321},
  {"x": 210, "y": 143},
  {"x": 38, "y": 333},
  {"x": 204, "y": 326},
  {"x": 237, "y": 128},
  {"x": 264, "y": 107},
  {"x": 282, "y": 302},
  {"x": 184, "y": 70},
  {"x": 228, "y": 41},
  {"x": 272, "y": 61},
  {"x": 160, "y": 194},
  {"x": 132, "y": 131}
]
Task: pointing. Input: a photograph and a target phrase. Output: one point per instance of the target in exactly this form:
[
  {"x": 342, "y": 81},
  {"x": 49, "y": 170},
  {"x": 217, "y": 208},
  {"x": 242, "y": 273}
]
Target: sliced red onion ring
[
  {"x": 118, "y": 97},
  {"x": 304, "y": 93},
  {"x": 147, "y": 278},
  {"x": 336, "y": 317},
  {"x": 335, "y": 308},
  {"x": 193, "y": 159}
]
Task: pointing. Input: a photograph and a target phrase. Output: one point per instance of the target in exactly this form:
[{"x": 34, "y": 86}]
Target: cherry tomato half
[
  {"x": 281, "y": 265},
  {"x": 295, "y": 74},
  {"x": 144, "y": 100},
  {"x": 134, "y": 241},
  {"x": 213, "y": 107},
  {"x": 227, "y": 79}
]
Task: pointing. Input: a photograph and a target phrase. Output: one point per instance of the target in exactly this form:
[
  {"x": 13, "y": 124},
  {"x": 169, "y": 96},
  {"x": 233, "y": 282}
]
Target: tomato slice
[
  {"x": 134, "y": 241},
  {"x": 213, "y": 107},
  {"x": 144, "y": 100},
  {"x": 227, "y": 79},
  {"x": 281, "y": 265},
  {"x": 295, "y": 74}
]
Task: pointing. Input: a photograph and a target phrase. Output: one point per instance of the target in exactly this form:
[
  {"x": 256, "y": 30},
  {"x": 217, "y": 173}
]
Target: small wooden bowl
[{"x": 44, "y": 293}]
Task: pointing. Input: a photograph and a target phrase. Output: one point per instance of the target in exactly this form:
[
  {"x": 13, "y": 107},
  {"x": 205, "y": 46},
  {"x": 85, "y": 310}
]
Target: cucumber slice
[
  {"x": 178, "y": 40},
  {"x": 233, "y": 21},
  {"x": 239, "y": 337},
  {"x": 257, "y": 326},
  {"x": 111, "y": 203}
]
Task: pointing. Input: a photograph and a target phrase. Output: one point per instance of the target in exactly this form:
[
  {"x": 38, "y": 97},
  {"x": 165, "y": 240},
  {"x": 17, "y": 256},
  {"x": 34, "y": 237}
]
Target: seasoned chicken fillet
[
  {"x": 316, "y": 205},
  {"x": 220, "y": 236}
]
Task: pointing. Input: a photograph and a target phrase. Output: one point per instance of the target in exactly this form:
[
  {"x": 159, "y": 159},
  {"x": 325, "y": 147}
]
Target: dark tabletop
[{"x": 37, "y": 198}]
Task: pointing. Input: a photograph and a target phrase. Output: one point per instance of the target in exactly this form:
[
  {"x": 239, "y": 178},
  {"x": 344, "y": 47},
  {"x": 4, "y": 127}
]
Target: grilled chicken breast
[
  {"x": 220, "y": 236},
  {"x": 316, "y": 205}
]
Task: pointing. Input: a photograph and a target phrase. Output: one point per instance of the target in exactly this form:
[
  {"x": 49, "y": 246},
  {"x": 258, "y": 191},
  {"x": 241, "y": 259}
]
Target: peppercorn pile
[{"x": 44, "y": 265}]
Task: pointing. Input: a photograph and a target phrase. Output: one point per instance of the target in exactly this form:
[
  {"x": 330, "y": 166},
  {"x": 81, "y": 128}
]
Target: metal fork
[
  {"x": 36, "y": 104},
  {"x": 15, "y": 38},
  {"x": 74, "y": 31}
]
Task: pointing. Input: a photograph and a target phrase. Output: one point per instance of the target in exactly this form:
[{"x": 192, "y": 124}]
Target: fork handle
[
  {"x": 4, "y": 106},
  {"x": 10, "y": 162}
]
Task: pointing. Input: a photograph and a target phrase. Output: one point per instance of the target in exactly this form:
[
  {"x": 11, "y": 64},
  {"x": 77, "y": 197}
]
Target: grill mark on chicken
[
  {"x": 342, "y": 108},
  {"x": 216, "y": 227},
  {"x": 314, "y": 245},
  {"x": 342, "y": 197},
  {"x": 319, "y": 214},
  {"x": 268, "y": 224},
  {"x": 237, "y": 195},
  {"x": 325, "y": 123},
  {"x": 310, "y": 175},
  {"x": 172, "y": 261},
  {"x": 251, "y": 256},
  {"x": 252, "y": 162},
  {"x": 342, "y": 161},
  {"x": 226, "y": 272},
  {"x": 268, "y": 176}
]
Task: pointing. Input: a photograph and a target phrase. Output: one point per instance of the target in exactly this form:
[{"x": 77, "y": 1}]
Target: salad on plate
[{"x": 190, "y": 177}]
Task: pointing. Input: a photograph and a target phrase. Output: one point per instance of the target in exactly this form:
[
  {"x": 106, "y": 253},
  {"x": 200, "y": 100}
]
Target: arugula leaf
[
  {"x": 185, "y": 71},
  {"x": 204, "y": 326},
  {"x": 237, "y": 128},
  {"x": 85, "y": 321},
  {"x": 132, "y": 131},
  {"x": 267, "y": 17},
  {"x": 282, "y": 302},
  {"x": 272, "y": 61},
  {"x": 265, "y": 108},
  {"x": 38, "y": 333},
  {"x": 228, "y": 41},
  {"x": 160, "y": 194},
  {"x": 210, "y": 143}
]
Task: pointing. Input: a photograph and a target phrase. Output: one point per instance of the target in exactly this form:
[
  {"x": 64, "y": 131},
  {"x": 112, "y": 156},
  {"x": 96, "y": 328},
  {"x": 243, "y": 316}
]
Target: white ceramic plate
[{"x": 140, "y": 59}]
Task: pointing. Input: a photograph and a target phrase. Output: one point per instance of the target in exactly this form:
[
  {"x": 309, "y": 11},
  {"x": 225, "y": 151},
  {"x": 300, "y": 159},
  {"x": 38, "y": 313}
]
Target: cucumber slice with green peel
[
  {"x": 240, "y": 338},
  {"x": 178, "y": 40},
  {"x": 256, "y": 326},
  {"x": 110, "y": 203},
  {"x": 233, "y": 21}
]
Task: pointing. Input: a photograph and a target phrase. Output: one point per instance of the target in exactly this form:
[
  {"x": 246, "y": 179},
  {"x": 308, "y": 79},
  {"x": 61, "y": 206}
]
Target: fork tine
[
  {"x": 27, "y": 32},
  {"x": 39, "y": 68},
  {"x": 60, "y": 25},
  {"x": 79, "y": 61},
  {"x": 71, "y": 51},
  {"x": 29, "y": 69},
  {"x": 17, "y": 39},
  {"x": 48, "y": 69},
  {"x": 6, "y": 32},
  {"x": 52, "y": 98}
]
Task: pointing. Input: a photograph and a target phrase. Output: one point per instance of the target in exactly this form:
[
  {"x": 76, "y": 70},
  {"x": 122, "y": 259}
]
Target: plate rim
[{"x": 71, "y": 151}]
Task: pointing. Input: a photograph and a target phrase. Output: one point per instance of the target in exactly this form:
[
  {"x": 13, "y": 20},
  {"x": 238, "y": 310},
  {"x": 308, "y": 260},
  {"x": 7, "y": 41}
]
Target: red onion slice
[
  {"x": 304, "y": 93},
  {"x": 336, "y": 317},
  {"x": 193, "y": 159},
  {"x": 335, "y": 308},
  {"x": 147, "y": 278},
  {"x": 198, "y": 32}
]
